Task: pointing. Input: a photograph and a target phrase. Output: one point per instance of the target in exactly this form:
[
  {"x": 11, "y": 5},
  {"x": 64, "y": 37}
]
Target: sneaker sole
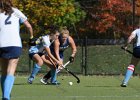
[{"x": 43, "y": 82}]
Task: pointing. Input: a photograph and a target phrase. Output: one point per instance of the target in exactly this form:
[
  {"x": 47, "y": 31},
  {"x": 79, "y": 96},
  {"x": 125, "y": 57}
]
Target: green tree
[{"x": 42, "y": 13}]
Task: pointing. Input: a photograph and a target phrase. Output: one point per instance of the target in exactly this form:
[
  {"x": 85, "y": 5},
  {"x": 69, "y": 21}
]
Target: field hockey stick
[
  {"x": 127, "y": 50},
  {"x": 64, "y": 66}
]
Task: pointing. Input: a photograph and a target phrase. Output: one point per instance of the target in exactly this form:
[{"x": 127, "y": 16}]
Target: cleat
[
  {"x": 30, "y": 79},
  {"x": 44, "y": 81},
  {"x": 55, "y": 83},
  {"x": 123, "y": 85},
  {"x": 5, "y": 99}
]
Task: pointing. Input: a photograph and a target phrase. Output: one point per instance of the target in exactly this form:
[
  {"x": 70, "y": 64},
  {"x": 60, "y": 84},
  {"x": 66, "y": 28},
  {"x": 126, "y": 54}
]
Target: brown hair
[
  {"x": 53, "y": 29},
  {"x": 6, "y": 6}
]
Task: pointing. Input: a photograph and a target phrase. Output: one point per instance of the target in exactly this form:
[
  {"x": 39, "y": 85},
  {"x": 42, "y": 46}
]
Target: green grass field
[
  {"x": 90, "y": 88},
  {"x": 110, "y": 60}
]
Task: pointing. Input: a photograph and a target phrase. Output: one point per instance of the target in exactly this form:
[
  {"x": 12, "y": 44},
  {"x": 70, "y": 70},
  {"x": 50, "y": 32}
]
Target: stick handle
[
  {"x": 127, "y": 50},
  {"x": 63, "y": 66},
  {"x": 66, "y": 64}
]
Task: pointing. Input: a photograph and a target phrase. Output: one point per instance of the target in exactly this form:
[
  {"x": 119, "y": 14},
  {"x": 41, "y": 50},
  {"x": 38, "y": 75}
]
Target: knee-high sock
[
  {"x": 6, "y": 86},
  {"x": 48, "y": 75},
  {"x": 53, "y": 75},
  {"x": 35, "y": 70},
  {"x": 129, "y": 72}
]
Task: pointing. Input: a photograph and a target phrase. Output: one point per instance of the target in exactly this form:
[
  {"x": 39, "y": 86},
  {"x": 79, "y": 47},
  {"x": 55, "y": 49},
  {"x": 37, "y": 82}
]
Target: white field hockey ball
[{"x": 70, "y": 83}]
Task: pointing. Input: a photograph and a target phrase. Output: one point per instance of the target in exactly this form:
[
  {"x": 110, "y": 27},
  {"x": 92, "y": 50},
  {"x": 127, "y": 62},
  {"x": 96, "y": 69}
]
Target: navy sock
[{"x": 48, "y": 75}]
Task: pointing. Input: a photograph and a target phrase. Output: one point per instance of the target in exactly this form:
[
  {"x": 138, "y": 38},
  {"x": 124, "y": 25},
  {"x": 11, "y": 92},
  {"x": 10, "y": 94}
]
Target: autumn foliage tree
[
  {"x": 137, "y": 7},
  {"x": 42, "y": 13},
  {"x": 109, "y": 16}
]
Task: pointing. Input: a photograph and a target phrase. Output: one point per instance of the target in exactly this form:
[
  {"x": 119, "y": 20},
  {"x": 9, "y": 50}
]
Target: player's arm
[
  {"x": 23, "y": 19},
  {"x": 47, "y": 49},
  {"x": 29, "y": 27},
  {"x": 73, "y": 47},
  {"x": 129, "y": 40},
  {"x": 56, "y": 49},
  {"x": 46, "y": 44}
]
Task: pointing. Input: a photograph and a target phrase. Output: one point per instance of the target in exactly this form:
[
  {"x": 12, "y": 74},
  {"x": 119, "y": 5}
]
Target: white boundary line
[{"x": 20, "y": 97}]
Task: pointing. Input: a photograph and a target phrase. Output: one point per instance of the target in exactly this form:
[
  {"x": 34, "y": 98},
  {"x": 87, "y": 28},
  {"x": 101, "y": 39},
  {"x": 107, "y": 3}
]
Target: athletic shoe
[
  {"x": 5, "y": 99},
  {"x": 44, "y": 81},
  {"x": 123, "y": 85},
  {"x": 55, "y": 83},
  {"x": 30, "y": 79}
]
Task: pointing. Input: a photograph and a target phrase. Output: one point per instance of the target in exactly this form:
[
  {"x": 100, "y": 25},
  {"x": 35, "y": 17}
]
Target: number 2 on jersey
[{"x": 7, "y": 21}]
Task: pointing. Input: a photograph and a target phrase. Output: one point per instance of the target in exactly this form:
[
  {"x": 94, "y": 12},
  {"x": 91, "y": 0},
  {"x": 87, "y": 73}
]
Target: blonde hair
[{"x": 64, "y": 30}]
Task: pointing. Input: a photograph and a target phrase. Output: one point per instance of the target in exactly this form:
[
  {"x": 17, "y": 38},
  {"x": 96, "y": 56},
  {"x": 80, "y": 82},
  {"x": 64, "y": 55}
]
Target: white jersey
[
  {"x": 40, "y": 47},
  {"x": 10, "y": 28},
  {"x": 136, "y": 33}
]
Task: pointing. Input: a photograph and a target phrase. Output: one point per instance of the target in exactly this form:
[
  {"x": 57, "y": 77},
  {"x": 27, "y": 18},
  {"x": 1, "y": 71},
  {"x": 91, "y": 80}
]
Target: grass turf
[{"x": 90, "y": 88}]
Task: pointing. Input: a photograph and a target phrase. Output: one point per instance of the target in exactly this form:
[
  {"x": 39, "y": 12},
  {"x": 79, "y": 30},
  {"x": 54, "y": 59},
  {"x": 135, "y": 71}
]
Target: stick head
[
  {"x": 78, "y": 81},
  {"x": 122, "y": 48}
]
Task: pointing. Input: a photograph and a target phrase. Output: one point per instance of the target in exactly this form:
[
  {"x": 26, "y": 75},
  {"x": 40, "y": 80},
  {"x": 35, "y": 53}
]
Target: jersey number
[{"x": 7, "y": 20}]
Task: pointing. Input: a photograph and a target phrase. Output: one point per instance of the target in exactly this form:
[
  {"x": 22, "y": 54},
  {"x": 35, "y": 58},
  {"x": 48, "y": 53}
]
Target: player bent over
[
  {"x": 36, "y": 53},
  {"x": 135, "y": 58},
  {"x": 58, "y": 47}
]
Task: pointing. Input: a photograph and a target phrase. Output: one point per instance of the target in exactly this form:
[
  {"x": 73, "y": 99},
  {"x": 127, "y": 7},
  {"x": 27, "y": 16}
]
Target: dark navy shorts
[
  {"x": 136, "y": 52},
  {"x": 32, "y": 54},
  {"x": 10, "y": 52}
]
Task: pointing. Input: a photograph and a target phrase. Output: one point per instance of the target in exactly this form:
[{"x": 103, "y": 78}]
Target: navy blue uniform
[{"x": 62, "y": 47}]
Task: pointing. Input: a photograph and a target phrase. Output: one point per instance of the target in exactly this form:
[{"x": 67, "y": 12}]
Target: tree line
[{"x": 94, "y": 18}]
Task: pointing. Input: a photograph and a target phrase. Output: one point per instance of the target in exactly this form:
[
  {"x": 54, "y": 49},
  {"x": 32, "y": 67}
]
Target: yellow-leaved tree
[{"x": 42, "y": 13}]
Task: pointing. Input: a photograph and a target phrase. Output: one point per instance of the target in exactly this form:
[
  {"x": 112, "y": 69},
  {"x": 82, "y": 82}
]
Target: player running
[
  {"x": 58, "y": 47},
  {"x": 135, "y": 58},
  {"x": 10, "y": 44},
  {"x": 38, "y": 54}
]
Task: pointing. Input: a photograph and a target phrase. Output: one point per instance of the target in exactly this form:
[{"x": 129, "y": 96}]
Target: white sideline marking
[{"x": 135, "y": 96}]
